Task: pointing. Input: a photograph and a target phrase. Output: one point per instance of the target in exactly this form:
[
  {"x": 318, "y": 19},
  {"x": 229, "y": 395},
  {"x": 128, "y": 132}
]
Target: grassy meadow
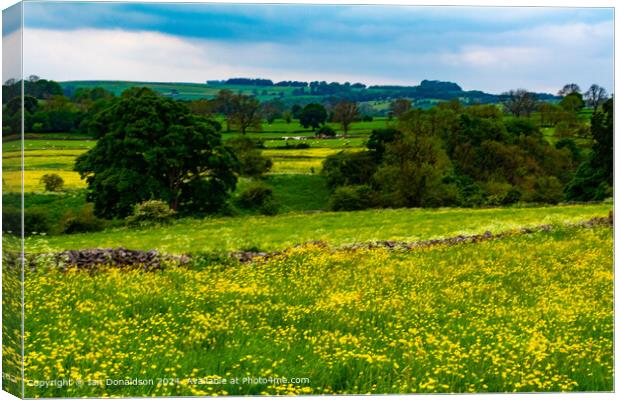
[
  {"x": 525, "y": 313},
  {"x": 268, "y": 233}
]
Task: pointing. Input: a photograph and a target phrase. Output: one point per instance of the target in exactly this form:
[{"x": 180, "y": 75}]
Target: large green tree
[
  {"x": 312, "y": 115},
  {"x": 151, "y": 147},
  {"x": 594, "y": 177}
]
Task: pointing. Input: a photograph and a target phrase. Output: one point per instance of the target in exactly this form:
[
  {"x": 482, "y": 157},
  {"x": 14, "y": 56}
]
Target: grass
[
  {"x": 292, "y": 193},
  {"x": 526, "y": 313},
  {"x": 280, "y": 128},
  {"x": 55, "y": 205},
  {"x": 299, "y": 192},
  {"x": 31, "y": 162},
  {"x": 52, "y": 144},
  {"x": 336, "y": 228}
]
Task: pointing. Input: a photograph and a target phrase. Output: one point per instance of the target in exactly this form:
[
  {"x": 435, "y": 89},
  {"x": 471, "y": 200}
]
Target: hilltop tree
[
  {"x": 245, "y": 113},
  {"x": 595, "y": 95},
  {"x": 312, "y": 115},
  {"x": 345, "y": 112},
  {"x": 569, "y": 88},
  {"x": 151, "y": 147},
  {"x": 519, "y": 103}
]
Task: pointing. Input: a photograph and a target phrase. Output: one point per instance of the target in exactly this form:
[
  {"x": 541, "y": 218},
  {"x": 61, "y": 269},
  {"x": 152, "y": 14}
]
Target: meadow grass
[
  {"x": 336, "y": 228},
  {"x": 299, "y": 192},
  {"x": 55, "y": 204},
  {"x": 280, "y": 128},
  {"x": 62, "y": 161},
  {"x": 52, "y": 144},
  {"x": 525, "y": 313}
]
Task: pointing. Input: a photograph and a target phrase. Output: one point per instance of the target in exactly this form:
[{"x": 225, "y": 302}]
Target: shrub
[
  {"x": 259, "y": 197},
  {"x": 82, "y": 221},
  {"x": 544, "y": 189},
  {"x": 350, "y": 198},
  {"x": 326, "y": 130},
  {"x": 501, "y": 193},
  {"x": 295, "y": 146},
  {"x": 151, "y": 211},
  {"x": 571, "y": 145},
  {"x": 35, "y": 221},
  {"x": 269, "y": 207},
  {"x": 355, "y": 168},
  {"x": 52, "y": 182}
]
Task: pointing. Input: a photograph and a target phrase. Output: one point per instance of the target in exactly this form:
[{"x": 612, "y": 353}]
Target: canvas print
[{"x": 296, "y": 199}]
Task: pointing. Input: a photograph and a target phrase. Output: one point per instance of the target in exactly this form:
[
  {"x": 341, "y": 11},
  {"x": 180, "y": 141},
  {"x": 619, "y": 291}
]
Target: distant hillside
[{"x": 424, "y": 95}]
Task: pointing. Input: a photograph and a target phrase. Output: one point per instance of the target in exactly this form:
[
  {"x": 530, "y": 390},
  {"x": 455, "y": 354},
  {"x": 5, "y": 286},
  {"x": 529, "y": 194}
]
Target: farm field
[{"x": 524, "y": 313}]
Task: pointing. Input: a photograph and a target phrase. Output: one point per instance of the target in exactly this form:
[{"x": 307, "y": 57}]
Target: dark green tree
[
  {"x": 313, "y": 115},
  {"x": 151, "y": 147},
  {"x": 594, "y": 177}
]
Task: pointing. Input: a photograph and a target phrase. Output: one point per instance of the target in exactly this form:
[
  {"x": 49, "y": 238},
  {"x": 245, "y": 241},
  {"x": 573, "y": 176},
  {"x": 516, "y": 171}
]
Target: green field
[
  {"x": 335, "y": 228},
  {"x": 526, "y": 313}
]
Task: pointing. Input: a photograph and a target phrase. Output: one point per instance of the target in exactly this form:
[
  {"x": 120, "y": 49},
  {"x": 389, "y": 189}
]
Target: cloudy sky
[{"x": 491, "y": 49}]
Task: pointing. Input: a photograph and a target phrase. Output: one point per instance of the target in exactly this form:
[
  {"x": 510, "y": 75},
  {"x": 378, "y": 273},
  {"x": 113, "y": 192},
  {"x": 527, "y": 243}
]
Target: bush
[
  {"x": 35, "y": 221},
  {"x": 501, "y": 193},
  {"x": 269, "y": 207},
  {"x": 326, "y": 130},
  {"x": 294, "y": 146},
  {"x": 259, "y": 197},
  {"x": 52, "y": 182},
  {"x": 544, "y": 189},
  {"x": 151, "y": 211},
  {"x": 82, "y": 221},
  {"x": 344, "y": 169},
  {"x": 350, "y": 198}
]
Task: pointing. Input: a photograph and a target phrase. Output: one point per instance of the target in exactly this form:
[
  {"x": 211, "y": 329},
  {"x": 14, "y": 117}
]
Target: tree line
[{"x": 472, "y": 156}]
